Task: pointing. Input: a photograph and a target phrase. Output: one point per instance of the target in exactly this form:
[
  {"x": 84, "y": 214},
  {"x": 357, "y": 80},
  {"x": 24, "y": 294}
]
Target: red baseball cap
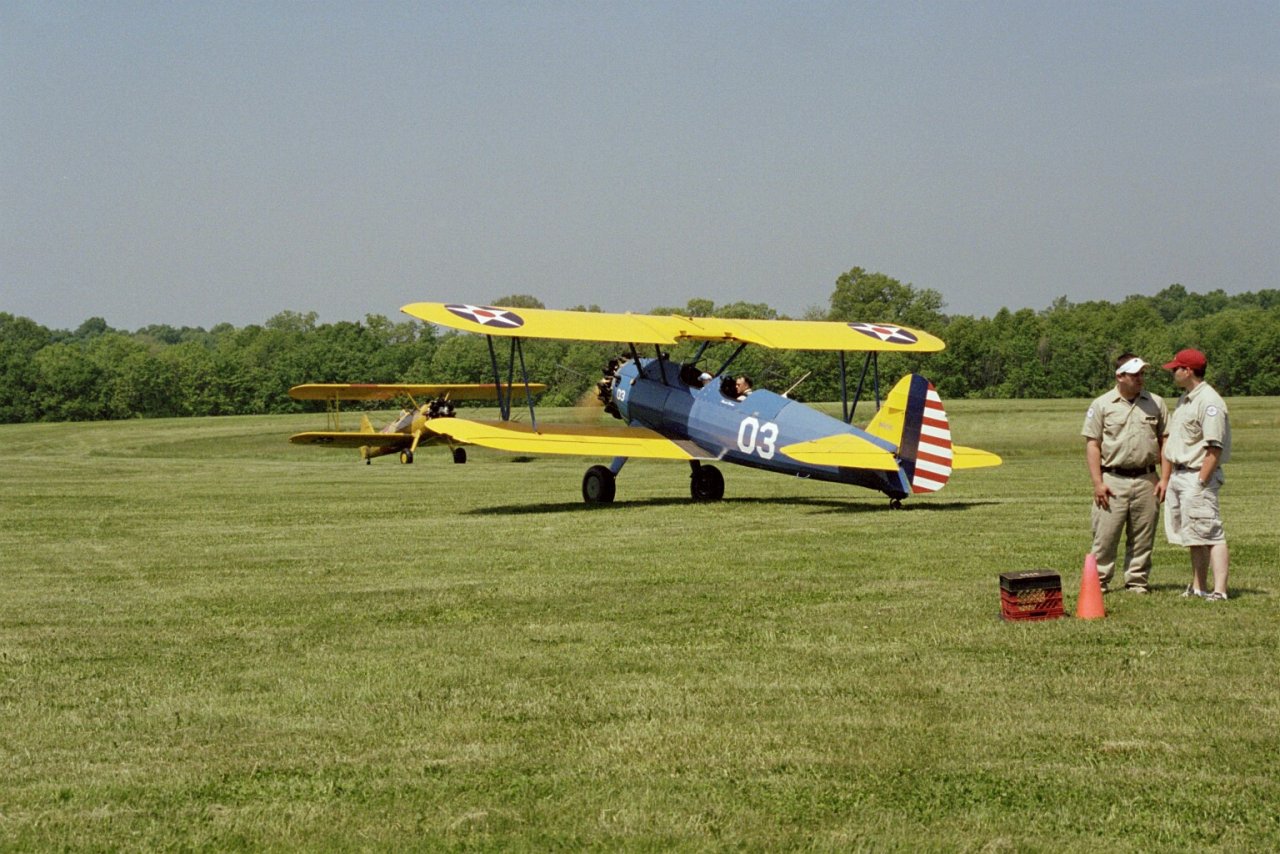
[{"x": 1188, "y": 358}]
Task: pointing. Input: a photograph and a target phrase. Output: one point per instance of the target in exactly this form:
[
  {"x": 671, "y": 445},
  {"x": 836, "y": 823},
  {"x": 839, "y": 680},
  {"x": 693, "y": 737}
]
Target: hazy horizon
[{"x": 199, "y": 164}]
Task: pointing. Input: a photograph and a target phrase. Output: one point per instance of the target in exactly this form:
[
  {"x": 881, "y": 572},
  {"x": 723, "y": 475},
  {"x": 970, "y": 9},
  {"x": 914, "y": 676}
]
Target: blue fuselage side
[{"x": 748, "y": 432}]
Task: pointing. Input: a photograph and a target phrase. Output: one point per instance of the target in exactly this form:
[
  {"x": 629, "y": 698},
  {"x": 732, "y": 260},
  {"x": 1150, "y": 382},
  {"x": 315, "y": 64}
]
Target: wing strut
[
  {"x": 504, "y": 400},
  {"x": 729, "y": 361},
  {"x": 662, "y": 360},
  {"x": 524, "y": 373},
  {"x": 873, "y": 359},
  {"x": 702, "y": 348},
  {"x": 506, "y": 393}
]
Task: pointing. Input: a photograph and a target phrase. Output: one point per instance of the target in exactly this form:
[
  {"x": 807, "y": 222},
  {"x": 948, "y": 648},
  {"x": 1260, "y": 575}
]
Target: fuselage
[{"x": 750, "y": 432}]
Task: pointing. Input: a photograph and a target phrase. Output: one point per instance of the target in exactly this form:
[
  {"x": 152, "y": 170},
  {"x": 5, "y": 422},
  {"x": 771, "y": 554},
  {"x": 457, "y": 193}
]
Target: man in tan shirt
[
  {"x": 1123, "y": 433},
  {"x": 1197, "y": 444}
]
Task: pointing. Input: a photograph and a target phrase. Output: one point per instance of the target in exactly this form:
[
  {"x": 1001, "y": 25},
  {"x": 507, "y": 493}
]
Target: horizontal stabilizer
[
  {"x": 972, "y": 458},
  {"x": 390, "y": 391},
  {"x": 567, "y": 439},
  {"x": 842, "y": 449},
  {"x": 353, "y": 439}
]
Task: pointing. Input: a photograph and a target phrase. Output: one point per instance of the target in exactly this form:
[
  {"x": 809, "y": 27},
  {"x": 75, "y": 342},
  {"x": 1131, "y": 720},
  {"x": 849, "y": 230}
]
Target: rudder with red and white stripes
[
  {"x": 932, "y": 467},
  {"x": 914, "y": 419}
]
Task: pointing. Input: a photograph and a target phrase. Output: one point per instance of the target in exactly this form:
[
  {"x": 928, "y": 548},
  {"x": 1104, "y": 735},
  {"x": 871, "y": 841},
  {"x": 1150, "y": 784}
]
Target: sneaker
[
  {"x": 1142, "y": 590},
  {"x": 1191, "y": 591},
  {"x": 1216, "y": 597}
]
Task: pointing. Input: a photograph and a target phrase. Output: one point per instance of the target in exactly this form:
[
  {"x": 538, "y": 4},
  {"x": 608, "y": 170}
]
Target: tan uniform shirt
[
  {"x": 1199, "y": 422},
  {"x": 1128, "y": 433}
]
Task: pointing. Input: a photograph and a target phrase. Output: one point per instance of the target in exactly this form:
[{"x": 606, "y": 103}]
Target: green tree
[
  {"x": 67, "y": 384},
  {"x": 875, "y": 297},
  {"x": 518, "y": 301},
  {"x": 20, "y": 340}
]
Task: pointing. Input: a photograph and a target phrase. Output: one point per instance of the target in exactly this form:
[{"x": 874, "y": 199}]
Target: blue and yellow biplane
[{"x": 678, "y": 411}]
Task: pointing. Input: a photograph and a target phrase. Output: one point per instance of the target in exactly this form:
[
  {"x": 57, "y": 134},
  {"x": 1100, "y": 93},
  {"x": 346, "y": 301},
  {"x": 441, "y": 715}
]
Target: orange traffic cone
[{"x": 1089, "y": 604}]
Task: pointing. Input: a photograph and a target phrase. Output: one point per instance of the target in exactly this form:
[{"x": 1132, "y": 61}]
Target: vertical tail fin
[{"x": 913, "y": 419}]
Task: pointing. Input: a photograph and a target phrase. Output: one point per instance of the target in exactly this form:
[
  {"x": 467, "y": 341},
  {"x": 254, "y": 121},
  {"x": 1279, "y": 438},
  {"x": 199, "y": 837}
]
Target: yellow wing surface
[
  {"x": 673, "y": 329},
  {"x": 352, "y": 439},
  {"x": 843, "y": 449},
  {"x": 390, "y": 391},
  {"x": 566, "y": 439},
  {"x": 972, "y": 458}
]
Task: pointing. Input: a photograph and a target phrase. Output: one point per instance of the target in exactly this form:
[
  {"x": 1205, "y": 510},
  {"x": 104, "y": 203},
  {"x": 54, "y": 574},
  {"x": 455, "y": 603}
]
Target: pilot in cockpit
[{"x": 736, "y": 388}]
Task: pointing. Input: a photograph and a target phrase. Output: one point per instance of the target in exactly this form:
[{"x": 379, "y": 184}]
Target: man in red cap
[{"x": 1197, "y": 443}]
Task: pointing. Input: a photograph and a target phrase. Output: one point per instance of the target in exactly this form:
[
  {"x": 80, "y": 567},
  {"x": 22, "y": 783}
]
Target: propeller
[{"x": 440, "y": 407}]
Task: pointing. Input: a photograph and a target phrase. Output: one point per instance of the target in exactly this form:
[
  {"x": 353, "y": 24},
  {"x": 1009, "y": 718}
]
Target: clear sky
[{"x": 193, "y": 163}]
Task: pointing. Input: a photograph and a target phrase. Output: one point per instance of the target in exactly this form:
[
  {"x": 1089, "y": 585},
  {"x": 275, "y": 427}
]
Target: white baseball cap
[{"x": 1131, "y": 367}]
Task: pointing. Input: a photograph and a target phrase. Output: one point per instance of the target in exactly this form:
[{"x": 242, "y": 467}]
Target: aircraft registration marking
[{"x": 757, "y": 438}]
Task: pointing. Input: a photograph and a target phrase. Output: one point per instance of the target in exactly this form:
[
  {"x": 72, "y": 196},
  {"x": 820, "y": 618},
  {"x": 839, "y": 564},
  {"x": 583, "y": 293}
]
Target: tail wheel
[
  {"x": 598, "y": 485},
  {"x": 459, "y": 455},
  {"x": 406, "y": 457},
  {"x": 706, "y": 484}
]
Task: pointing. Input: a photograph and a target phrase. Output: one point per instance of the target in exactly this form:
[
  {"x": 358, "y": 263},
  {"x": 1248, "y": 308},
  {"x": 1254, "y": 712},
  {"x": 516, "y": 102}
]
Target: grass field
[{"x": 212, "y": 639}]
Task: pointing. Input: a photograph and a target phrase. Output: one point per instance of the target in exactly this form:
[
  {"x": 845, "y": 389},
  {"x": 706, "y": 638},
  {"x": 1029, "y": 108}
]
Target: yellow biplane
[
  {"x": 695, "y": 413},
  {"x": 410, "y": 429}
]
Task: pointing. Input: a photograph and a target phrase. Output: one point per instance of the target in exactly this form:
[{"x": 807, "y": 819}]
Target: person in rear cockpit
[{"x": 736, "y": 388}]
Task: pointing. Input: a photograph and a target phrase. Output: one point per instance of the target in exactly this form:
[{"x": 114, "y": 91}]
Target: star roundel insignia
[
  {"x": 886, "y": 332},
  {"x": 488, "y": 316}
]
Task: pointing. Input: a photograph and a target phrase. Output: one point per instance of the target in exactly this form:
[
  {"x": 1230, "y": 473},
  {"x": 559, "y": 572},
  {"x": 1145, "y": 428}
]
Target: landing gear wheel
[
  {"x": 598, "y": 485},
  {"x": 706, "y": 484},
  {"x": 406, "y": 457},
  {"x": 459, "y": 455},
  {"x": 895, "y": 503}
]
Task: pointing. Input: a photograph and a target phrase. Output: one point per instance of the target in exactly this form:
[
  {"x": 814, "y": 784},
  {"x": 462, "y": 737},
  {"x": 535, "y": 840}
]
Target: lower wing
[
  {"x": 567, "y": 439},
  {"x": 353, "y": 439}
]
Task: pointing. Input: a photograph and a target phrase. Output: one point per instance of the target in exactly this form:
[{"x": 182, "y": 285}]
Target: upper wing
[
  {"x": 825, "y": 335},
  {"x": 567, "y": 439},
  {"x": 672, "y": 329},
  {"x": 388, "y": 391},
  {"x": 352, "y": 439}
]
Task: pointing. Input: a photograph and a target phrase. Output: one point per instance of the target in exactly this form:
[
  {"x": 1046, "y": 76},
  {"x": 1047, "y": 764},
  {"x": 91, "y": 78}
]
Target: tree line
[{"x": 1066, "y": 350}]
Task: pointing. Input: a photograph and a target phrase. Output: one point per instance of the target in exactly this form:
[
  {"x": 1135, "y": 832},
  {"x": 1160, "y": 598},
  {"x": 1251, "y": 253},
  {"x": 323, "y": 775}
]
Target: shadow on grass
[
  {"x": 1233, "y": 592},
  {"x": 824, "y": 505}
]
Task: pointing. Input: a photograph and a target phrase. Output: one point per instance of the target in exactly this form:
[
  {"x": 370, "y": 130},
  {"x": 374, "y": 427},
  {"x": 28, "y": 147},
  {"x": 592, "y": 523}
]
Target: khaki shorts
[{"x": 1191, "y": 513}]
